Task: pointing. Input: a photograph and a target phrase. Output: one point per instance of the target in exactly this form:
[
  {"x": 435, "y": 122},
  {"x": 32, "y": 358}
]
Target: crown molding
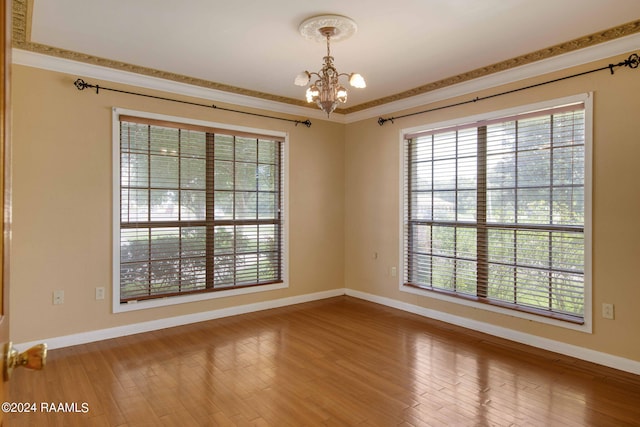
[
  {"x": 52, "y": 62},
  {"x": 85, "y": 70},
  {"x": 623, "y": 45},
  {"x": 627, "y": 29}
]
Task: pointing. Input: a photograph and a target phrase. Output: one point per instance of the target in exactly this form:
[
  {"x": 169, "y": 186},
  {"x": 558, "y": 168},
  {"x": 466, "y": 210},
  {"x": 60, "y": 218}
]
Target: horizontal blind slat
[
  {"x": 194, "y": 127},
  {"x": 472, "y": 125}
]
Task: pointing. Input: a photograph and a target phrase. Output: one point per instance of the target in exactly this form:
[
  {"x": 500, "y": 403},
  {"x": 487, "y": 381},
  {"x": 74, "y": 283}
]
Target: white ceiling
[{"x": 255, "y": 45}]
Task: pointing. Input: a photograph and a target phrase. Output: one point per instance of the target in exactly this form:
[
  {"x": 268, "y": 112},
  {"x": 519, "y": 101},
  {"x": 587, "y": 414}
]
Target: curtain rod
[
  {"x": 632, "y": 62},
  {"x": 82, "y": 85}
]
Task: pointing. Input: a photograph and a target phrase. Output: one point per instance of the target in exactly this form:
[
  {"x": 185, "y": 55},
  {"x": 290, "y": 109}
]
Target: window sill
[
  {"x": 476, "y": 304},
  {"x": 174, "y": 300}
]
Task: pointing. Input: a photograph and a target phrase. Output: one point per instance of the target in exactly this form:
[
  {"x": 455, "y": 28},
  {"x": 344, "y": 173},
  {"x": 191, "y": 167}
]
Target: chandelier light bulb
[
  {"x": 341, "y": 94},
  {"x": 313, "y": 93}
]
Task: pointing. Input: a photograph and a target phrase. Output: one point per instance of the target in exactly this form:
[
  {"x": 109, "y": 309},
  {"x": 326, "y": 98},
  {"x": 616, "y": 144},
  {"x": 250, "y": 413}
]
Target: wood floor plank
[{"x": 335, "y": 362}]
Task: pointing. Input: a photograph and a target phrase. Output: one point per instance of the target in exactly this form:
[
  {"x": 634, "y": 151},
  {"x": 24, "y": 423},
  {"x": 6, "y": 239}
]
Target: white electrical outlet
[
  {"x": 99, "y": 293},
  {"x": 58, "y": 297},
  {"x": 607, "y": 311},
  {"x": 394, "y": 271}
]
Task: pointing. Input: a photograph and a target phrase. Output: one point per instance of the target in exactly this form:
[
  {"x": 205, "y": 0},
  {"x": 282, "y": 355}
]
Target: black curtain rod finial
[
  {"x": 80, "y": 84},
  {"x": 632, "y": 62}
]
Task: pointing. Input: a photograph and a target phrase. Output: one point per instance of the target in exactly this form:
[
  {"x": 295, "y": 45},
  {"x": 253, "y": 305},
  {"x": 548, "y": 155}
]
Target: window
[
  {"x": 200, "y": 209},
  {"x": 494, "y": 211}
]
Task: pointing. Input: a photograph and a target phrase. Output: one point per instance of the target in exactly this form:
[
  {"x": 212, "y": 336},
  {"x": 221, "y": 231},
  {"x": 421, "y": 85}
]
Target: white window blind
[
  {"x": 495, "y": 211},
  {"x": 200, "y": 209}
]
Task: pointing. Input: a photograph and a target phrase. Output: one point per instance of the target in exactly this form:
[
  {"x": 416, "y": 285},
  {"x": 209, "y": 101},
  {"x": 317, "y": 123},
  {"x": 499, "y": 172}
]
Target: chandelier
[{"x": 326, "y": 90}]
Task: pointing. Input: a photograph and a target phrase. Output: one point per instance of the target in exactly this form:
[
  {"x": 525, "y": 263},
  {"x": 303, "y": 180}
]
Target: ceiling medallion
[
  {"x": 326, "y": 91},
  {"x": 344, "y": 27}
]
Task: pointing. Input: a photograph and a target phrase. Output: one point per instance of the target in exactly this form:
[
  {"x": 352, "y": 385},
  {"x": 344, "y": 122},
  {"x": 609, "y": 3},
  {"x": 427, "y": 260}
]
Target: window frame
[
  {"x": 117, "y": 306},
  {"x": 587, "y": 99}
]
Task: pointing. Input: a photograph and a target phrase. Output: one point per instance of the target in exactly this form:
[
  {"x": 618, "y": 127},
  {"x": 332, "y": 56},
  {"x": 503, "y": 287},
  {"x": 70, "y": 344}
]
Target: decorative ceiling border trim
[
  {"x": 21, "y": 36},
  {"x": 550, "y": 52},
  {"x": 589, "y": 55},
  {"x": 22, "y": 11},
  {"x": 75, "y": 69}
]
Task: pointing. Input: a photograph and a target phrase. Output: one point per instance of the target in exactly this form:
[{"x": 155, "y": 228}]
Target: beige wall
[
  {"x": 372, "y": 158},
  {"x": 62, "y": 210},
  {"x": 344, "y": 195}
]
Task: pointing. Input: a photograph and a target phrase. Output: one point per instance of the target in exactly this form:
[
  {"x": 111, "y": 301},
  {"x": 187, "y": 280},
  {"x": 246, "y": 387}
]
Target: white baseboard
[
  {"x": 154, "y": 325},
  {"x": 589, "y": 355},
  {"x": 582, "y": 353}
]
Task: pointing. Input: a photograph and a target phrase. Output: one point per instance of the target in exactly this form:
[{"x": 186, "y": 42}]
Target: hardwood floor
[{"x": 335, "y": 362}]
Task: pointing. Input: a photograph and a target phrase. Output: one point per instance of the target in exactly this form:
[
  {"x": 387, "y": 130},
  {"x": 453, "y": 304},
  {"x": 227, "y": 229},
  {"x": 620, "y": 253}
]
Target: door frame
[{"x": 5, "y": 180}]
